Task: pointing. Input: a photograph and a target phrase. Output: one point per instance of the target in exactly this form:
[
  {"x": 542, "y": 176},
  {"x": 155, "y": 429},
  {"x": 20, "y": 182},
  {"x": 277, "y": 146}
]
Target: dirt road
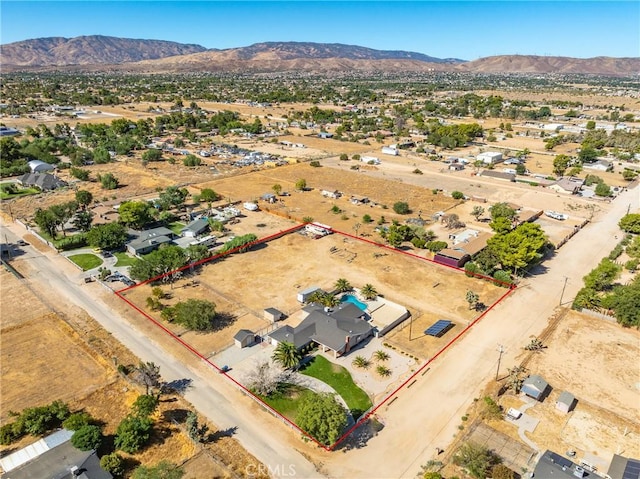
[
  {"x": 427, "y": 416},
  {"x": 210, "y": 393}
]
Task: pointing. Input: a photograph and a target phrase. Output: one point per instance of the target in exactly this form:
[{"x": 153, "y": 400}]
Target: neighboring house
[
  {"x": 338, "y": 330},
  {"x": 325, "y": 135},
  {"x": 149, "y": 240},
  {"x": 474, "y": 245},
  {"x": 599, "y": 165},
  {"x": 553, "y": 466},
  {"x": 452, "y": 257},
  {"x": 43, "y": 181},
  {"x": 244, "y": 338},
  {"x": 566, "y": 401},
  {"x": 195, "y": 228},
  {"x": 498, "y": 175},
  {"x": 568, "y": 185},
  {"x": 536, "y": 387},
  {"x": 624, "y": 468},
  {"x": 6, "y": 131},
  {"x": 489, "y": 157},
  {"x": 53, "y": 457},
  {"x": 456, "y": 167},
  {"x": 38, "y": 166}
]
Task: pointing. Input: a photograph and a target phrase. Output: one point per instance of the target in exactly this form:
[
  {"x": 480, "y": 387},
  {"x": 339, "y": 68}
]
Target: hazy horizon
[{"x": 447, "y": 29}]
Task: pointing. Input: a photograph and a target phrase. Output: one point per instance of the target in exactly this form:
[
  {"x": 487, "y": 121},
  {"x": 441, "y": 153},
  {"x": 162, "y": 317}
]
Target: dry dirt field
[
  {"x": 592, "y": 359},
  {"x": 312, "y": 203},
  {"x": 243, "y": 285}
]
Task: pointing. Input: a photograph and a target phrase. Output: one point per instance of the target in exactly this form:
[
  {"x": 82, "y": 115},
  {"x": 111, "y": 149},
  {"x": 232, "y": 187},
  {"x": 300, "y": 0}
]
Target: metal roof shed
[
  {"x": 536, "y": 387},
  {"x": 565, "y": 402}
]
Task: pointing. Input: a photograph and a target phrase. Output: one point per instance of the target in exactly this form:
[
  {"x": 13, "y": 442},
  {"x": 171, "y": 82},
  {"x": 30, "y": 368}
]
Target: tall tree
[
  {"x": 322, "y": 416},
  {"x": 135, "y": 214},
  {"x": 84, "y": 198},
  {"x": 109, "y": 236}
]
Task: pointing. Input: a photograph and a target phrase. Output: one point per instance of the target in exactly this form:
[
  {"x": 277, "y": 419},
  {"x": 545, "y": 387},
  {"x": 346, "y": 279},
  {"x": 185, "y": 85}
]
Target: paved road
[
  {"x": 210, "y": 393},
  {"x": 427, "y": 416}
]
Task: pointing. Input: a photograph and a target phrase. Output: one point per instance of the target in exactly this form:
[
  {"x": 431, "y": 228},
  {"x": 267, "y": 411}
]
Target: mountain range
[{"x": 103, "y": 53}]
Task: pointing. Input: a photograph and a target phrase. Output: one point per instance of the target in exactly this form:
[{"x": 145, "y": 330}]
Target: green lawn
[
  {"x": 176, "y": 226},
  {"x": 339, "y": 379},
  {"x": 286, "y": 403},
  {"x": 20, "y": 191},
  {"x": 124, "y": 259},
  {"x": 86, "y": 260}
]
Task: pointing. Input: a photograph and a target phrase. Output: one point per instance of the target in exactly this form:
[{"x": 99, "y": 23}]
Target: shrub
[
  {"x": 401, "y": 207},
  {"x": 76, "y": 421},
  {"x": 315, "y": 164},
  {"x": 112, "y": 463},
  {"x": 471, "y": 269},
  {"x": 435, "y": 246},
  {"x": 87, "y": 438},
  {"x": 457, "y": 195},
  {"x": 417, "y": 171},
  {"x": 344, "y": 157},
  {"x": 367, "y": 219},
  {"x": 502, "y": 276}
]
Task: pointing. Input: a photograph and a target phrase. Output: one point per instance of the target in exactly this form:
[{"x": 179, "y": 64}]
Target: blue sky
[{"x": 459, "y": 29}]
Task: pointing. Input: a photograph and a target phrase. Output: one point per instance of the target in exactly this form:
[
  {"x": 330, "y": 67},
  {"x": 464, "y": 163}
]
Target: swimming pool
[{"x": 349, "y": 298}]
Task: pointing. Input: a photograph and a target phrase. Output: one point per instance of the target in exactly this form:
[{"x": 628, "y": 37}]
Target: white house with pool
[{"x": 341, "y": 328}]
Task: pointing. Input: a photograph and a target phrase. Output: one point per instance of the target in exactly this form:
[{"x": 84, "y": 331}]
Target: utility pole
[
  {"x": 500, "y": 351},
  {"x": 562, "y": 293}
]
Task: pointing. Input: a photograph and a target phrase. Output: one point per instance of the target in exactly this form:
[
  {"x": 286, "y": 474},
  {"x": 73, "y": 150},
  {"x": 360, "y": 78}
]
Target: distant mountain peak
[{"x": 89, "y": 50}]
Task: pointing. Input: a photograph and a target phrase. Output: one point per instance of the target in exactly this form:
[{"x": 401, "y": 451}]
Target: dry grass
[
  {"x": 242, "y": 285},
  {"x": 43, "y": 360}
]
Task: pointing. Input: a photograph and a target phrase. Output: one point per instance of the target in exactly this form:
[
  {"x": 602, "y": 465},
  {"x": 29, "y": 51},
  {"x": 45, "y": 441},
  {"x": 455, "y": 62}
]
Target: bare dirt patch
[
  {"x": 270, "y": 276},
  {"x": 599, "y": 371}
]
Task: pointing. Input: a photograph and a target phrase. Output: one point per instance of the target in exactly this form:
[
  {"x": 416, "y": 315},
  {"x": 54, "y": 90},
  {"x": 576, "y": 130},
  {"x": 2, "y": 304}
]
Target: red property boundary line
[{"x": 280, "y": 234}]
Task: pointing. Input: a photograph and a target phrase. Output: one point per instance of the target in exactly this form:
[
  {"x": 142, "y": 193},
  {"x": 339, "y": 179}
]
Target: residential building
[
  {"x": 553, "y": 466},
  {"x": 490, "y": 157},
  {"x": 148, "y": 240},
  {"x": 195, "y": 228},
  {"x": 53, "y": 457},
  {"x": 338, "y": 330},
  {"x": 499, "y": 175},
  {"x": 43, "y": 181},
  {"x": 569, "y": 185}
]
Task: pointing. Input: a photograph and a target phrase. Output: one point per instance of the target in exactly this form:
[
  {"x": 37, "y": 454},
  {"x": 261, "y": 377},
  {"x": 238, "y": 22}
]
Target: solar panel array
[
  {"x": 438, "y": 328},
  {"x": 632, "y": 471}
]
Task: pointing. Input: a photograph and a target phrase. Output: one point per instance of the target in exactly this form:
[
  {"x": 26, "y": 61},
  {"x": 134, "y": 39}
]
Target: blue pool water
[{"x": 349, "y": 298}]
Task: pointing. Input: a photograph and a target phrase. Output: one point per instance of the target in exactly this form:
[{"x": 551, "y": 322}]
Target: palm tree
[
  {"x": 369, "y": 292},
  {"x": 342, "y": 285},
  {"x": 380, "y": 355},
  {"x": 330, "y": 300},
  {"x": 317, "y": 297},
  {"x": 383, "y": 371},
  {"x": 287, "y": 355},
  {"x": 360, "y": 362}
]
